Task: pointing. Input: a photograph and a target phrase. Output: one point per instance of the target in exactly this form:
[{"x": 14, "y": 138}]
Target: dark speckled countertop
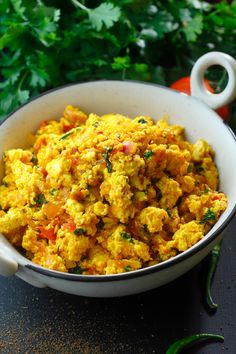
[{"x": 46, "y": 321}]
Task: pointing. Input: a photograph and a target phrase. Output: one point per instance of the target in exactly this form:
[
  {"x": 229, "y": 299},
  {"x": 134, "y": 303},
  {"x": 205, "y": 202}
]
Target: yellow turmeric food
[{"x": 108, "y": 194}]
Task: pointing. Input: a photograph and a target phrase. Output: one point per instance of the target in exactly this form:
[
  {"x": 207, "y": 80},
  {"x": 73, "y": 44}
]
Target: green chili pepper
[
  {"x": 214, "y": 259},
  {"x": 180, "y": 344}
]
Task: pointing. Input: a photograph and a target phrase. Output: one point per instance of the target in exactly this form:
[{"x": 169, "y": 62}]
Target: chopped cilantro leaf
[
  {"x": 100, "y": 225},
  {"x": 199, "y": 169},
  {"x": 142, "y": 121},
  {"x": 127, "y": 268},
  {"x": 40, "y": 200},
  {"x": 77, "y": 270},
  {"x": 106, "y": 157},
  {"x": 209, "y": 215},
  {"x": 126, "y": 236},
  {"x": 148, "y": 154},
  {"x": 79, "y": 231},
  {"x": 206, "y": 190},
  {"x": 109, "y": 166},
  {"x": 190, "y": 167},
  {"x": 52, "y": 191},
  {"x": 34, "y": 160}
]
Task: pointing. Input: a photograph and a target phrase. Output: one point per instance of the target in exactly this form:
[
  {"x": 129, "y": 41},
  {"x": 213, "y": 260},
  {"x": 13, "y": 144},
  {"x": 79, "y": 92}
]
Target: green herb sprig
[
  {"x": 109, "y": 39},
  {"x": 127, "y": 236},
  {"x": 79, "y": 231},
  {"x": 148, "y": 154},
  {"x": 208, "y": 216},
  {"x": 106, "y": 156},
  {"x": 40, "y": 200}
]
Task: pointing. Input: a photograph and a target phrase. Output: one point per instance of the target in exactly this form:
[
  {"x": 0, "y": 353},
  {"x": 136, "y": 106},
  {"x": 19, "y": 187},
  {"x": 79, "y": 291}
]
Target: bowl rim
[{"x": 142, "y": 271}]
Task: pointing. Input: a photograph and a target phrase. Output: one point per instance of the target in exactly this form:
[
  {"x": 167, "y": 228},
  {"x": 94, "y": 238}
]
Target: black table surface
[{"x": 36, "y": 320}]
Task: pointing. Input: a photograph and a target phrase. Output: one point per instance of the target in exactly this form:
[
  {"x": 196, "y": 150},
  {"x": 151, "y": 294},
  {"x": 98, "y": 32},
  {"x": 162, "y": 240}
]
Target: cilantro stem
[
  {"x": 78, "y": 4},
  {"x": 22, "y": 80}
]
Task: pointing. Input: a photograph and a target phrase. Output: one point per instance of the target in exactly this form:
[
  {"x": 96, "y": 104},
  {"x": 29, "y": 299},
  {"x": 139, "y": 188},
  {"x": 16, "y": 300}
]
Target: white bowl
[{"x": 132, "y": 99}]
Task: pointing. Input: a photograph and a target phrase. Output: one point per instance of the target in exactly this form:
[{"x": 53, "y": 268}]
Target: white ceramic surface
[{"x": 130, "y": 98}]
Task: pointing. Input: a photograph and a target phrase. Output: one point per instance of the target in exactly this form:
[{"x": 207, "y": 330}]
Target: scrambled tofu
[{"x": 109, "y": 194}]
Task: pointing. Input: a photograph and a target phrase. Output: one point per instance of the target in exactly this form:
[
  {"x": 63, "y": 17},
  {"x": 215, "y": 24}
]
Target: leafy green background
[{"x": 45, "y": 44}]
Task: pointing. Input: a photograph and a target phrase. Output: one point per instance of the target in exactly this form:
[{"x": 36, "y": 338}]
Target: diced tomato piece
[
  {"x": 216, "y": 197},
  {"x": 70, "y": 225},
  {"x": 43, "y": 124},
  {"x": 75, "y": 162},
  {"x": 67, "y": 127},
  {"x": 39, "y": 144},
  {"x": 46, "y": 233}
]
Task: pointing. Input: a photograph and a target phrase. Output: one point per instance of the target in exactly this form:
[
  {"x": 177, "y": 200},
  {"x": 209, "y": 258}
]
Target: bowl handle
[
  {"x": 197, "y": 79},
  {"x": 7, "y": 266}
]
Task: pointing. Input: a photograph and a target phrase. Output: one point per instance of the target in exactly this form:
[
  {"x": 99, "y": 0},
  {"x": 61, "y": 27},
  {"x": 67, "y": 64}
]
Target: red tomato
[
  {"x": 70, "y": 225},
  {"x": 44, "y": 233},
  {"x": 183, "y": 85}
]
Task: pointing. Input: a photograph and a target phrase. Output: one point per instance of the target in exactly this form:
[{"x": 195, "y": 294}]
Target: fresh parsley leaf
[
  {"x": 11, "y": 35},
  {"x": 23, "y": 96},
  {"x": 121, "y": 63},
  {"x": 112, "y": 40},
  {"x": 163, "y": 23},
  {"x": 106, "y": 14},
  {"x": 193, "y": 27}
]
